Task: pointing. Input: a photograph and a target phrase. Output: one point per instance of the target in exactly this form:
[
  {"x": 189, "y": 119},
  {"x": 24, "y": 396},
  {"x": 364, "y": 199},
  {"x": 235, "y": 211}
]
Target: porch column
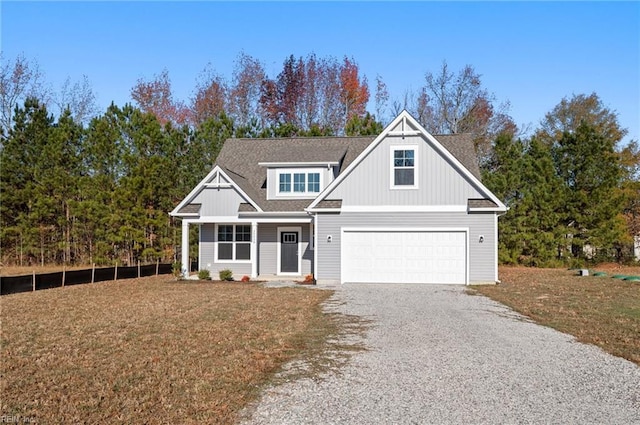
[
  {"x": 254, "y": 249},
  {"x": 185, "y": 248}
]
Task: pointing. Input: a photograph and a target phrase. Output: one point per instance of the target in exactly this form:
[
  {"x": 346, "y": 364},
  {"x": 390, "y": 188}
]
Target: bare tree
[
  {"x": 244, "y": 94},
  {"x": 19, "y": 79},
  {"x": 79, "y": 98},
  {"x": 453, "y": 103},
  {"x": 382, "y": 98}
]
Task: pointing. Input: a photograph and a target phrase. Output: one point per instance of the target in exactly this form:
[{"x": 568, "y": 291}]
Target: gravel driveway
[{"x": 439, "y": 356}]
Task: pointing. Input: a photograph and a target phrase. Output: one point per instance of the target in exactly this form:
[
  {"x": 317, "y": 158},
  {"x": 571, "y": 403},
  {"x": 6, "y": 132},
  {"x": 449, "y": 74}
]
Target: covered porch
[{"x": 265, "y": 248}]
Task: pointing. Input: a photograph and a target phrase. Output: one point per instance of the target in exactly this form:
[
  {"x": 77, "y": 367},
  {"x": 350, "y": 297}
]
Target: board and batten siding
[
  {"x": 223, "y": 201},
  {"x": 207, "y": 255},
  {"x": 482, "y": 255},
  {"x": 439, "y": 183}
]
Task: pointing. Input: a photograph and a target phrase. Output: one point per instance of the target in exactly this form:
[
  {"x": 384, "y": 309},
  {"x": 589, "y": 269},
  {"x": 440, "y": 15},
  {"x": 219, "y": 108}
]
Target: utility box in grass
[{"x": 584, "y": 272}]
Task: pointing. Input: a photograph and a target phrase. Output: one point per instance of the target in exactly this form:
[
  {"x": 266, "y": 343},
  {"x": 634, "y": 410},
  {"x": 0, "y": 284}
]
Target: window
[
  {"x": 403, "y": 168},
  {"x": 298, "y": 183},
  {"x": 285, "y": 182},
  {"x": 234, "y": 242},
  {"x": 313, "y": 183}
]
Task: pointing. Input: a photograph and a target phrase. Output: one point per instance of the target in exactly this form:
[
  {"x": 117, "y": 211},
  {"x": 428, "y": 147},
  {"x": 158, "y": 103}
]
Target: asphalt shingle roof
[{"x": 240, "y": 159}]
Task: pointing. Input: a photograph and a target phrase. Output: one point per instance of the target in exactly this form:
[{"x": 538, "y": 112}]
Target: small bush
[
  {"x": 245, "y": 278},
  {"x": 226, "y": 274},
  {"x": 176, "y": 269},
  {"x": 204, "y": 275},
  {"x": 309, "y": 279}
]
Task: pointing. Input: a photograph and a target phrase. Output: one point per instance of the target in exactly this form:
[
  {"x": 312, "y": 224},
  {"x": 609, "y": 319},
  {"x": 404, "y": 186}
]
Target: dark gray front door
[{"x": 289, "y": 252}]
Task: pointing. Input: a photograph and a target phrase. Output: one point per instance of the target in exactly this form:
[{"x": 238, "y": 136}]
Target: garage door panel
[{"x": 418, "y": 256}]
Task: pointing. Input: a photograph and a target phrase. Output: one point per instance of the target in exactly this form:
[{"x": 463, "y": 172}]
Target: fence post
[
  {"x": 34, "y": 280},
  {"x": 64, "y": 274},
  {"x": 157, "y": 265},
  {"x": 115, "y": 275},
  {"x": 93, "y": 272},
  {"x": 138, "y": 269}
]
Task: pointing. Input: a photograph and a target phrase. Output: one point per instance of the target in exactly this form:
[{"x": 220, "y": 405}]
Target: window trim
[
  {"x": 233, "y": 243},
  {"x": 292, "y": 172},
  {"x": 392, "y": 167}
]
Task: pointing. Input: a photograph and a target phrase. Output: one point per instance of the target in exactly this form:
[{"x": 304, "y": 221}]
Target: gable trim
[
  {"x": 206, "y": 182},
  {"x": 406, "y": 118}
]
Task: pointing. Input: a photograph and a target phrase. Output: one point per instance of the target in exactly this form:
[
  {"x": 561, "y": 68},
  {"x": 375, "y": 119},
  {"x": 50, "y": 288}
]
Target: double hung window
[
  {"x": 403, "y": 168},
  {"x": 234, "y": 242}
]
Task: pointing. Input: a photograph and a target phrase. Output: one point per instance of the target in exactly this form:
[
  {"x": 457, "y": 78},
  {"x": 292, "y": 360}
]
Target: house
[{"x": 404, "y": 206}]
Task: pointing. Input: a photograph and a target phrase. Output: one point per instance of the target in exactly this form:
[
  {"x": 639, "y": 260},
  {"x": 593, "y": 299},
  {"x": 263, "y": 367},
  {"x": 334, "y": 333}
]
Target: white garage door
[{"x": 407, "y": 256}]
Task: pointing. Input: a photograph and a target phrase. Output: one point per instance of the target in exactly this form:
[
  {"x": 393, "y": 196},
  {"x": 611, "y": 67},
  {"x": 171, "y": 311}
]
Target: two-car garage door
[{"x": 404, "y": 256}]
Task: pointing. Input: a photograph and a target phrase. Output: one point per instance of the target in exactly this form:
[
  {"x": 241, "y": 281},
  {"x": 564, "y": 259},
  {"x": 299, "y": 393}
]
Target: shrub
[
  {"x": 309, "y": 279},
  {"x": 226, "y": 274},
  {"x": 204, "y": 274},
  {"x": 245, "y": 278},
  {"x": 176, "y": 269}
]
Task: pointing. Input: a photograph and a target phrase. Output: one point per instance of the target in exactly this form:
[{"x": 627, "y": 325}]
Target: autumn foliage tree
[
  {"x": 210, "y": 99},
  {"x": 156, "y": 97},
  {"x": 354, "y": 89}
]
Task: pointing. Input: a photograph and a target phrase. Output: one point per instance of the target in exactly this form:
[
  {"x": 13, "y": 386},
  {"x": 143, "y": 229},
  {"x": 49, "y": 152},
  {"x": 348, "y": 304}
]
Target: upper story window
[
  {"x": 403, "y": 167},
  {"x": 298, "y": 183}
]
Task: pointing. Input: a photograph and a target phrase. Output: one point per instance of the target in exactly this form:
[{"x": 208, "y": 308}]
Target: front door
[{"x": 289, "y": 252}]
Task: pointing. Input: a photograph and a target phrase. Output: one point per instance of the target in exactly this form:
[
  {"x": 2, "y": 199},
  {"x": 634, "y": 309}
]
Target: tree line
[{"x": 82, "y": 187}]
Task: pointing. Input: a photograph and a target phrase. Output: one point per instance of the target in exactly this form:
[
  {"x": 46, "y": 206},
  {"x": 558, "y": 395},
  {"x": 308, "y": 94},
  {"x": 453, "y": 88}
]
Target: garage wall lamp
[
  {"x": 481, "y": 239},
  {"x": 329, "y": 238}
]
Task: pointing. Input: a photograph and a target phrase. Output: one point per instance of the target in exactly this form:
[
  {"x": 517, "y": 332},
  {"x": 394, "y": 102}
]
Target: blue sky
[{"x": 531, "y": 54}]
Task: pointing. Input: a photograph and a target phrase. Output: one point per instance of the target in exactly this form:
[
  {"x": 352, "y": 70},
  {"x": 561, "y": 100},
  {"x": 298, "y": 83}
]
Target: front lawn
[
  {"x": 151, "y": 350},
  {"x": 599, "y": 310}
]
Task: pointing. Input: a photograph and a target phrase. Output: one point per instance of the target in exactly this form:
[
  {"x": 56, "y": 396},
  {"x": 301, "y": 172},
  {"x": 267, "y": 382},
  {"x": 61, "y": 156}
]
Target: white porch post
[
  {"x": 254, "y": 249},
  {"x": 185, "y": 248}
]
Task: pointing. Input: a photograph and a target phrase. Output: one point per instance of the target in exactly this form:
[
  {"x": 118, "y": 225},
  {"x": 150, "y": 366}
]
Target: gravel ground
[{"x": 439, "y": 356}]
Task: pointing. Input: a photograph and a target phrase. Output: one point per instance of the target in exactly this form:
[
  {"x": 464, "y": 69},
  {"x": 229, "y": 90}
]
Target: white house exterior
[{"x": 404, "y": 206}]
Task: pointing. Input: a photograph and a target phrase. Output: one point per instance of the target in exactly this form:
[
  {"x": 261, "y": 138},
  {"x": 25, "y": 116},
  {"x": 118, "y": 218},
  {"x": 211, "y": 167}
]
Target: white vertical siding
[{"x": 482, "y": 257}]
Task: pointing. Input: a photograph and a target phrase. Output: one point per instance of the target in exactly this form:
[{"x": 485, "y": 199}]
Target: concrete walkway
[{"x": 439, "y": 356}]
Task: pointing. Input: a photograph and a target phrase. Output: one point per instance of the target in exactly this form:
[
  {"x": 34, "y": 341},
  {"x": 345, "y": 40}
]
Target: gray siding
[
  {"x": 439, "y": 183},
  {"x": 272, "y": 181},
  {"x": 267, "y": 251},
  {"x": 268, "y": 248},
  {"x": 219, "y": 201},
  {"x": 207, "y": 258},
  {"x": 482, "y": 258}
]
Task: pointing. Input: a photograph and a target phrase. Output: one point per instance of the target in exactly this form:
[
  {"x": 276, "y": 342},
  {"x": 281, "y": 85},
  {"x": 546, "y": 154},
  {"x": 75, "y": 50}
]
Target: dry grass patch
[
  {"x": 151, "y": 350},
  {"x": 596, "y": 310},
  {"x": 25, "y": 270}
]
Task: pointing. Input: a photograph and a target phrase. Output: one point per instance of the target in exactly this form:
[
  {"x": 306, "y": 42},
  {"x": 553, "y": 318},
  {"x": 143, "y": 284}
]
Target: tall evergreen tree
[{"x": 589, "y": 166}]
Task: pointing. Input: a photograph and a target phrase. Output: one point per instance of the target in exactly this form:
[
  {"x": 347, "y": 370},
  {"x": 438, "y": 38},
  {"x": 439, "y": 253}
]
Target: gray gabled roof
[{"x": 240, "y": 159}]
